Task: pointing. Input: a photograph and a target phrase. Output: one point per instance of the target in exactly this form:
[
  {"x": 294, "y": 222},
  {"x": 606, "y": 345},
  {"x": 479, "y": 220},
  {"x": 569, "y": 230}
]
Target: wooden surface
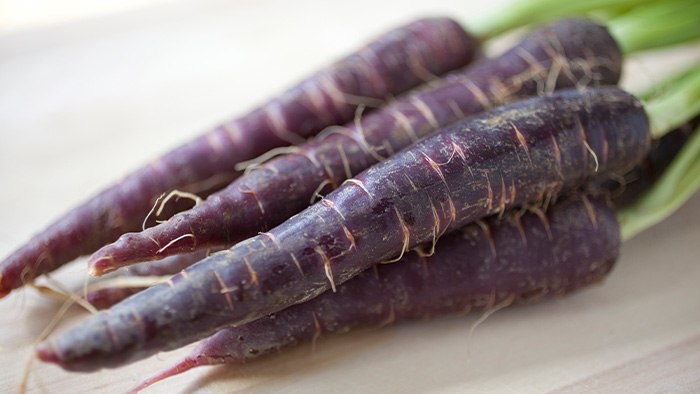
[{"x": 87, "y": 95}]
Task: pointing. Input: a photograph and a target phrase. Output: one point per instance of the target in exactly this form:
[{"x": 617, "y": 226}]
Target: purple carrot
[
  {"x": 565, "y": 54},
  {"x": 623, "y": 192},
  {"x": 520, "y": 258},
  {"x": 631, "y": 186},
  {"x": 396, "y": 62},
  {"x": 104, "y": 297},
  {"x": 492, "y": 162}
]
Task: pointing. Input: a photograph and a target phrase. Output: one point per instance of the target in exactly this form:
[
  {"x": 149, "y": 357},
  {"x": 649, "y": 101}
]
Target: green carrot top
[{"x": 636, "y": 25}]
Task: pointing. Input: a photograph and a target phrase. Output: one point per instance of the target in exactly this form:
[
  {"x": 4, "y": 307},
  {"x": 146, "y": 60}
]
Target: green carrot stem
[
  {"x": 521, "y": 13},
  {"x": 637, "y": 25},
  {"x": 656, "y": 25},
  {"x": 674, "y": 102}
]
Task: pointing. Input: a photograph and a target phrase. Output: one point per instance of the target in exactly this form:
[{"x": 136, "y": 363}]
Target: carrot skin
[
  {"x": 394, "y": 63},
  {"x": 636, "y": 182},
  {"x": 463, "y": 274},
  {"x": 504, "y": 158},
  {"x": 284, "y": 186},
  {"x": 106, "y": 297},
  {"x": 170, "y": 266}
]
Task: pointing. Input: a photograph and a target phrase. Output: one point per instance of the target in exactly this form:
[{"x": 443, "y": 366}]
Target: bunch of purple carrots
[{"x": 410, "y": 180}]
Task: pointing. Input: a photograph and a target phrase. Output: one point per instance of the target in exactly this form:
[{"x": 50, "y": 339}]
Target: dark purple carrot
[
  {"x": 396, "y": 62},
  {"x": 518, "y": 258},
  {"x": 566, "y": 54},
  {"x": 105, "y": 293},
  {"x": 632, "y": 185},
  {"x": 623, "y": 192},
  {"x": 105, "y": 298},
  {"x": 487, "y": 164}
]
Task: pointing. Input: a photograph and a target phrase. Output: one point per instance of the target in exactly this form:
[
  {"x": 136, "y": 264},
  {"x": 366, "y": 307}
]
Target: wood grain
[{"x": 672, "y": 369}]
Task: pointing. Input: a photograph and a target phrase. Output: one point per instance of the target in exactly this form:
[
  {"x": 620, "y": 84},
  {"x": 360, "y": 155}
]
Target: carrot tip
[
  {"x": 46, "y": 353},
  {"x": 4, "y": 290},
  {"x": 96, "y": 270},
  {"x": 185, "y": 364},
  {"x": 99, "y": 266}
]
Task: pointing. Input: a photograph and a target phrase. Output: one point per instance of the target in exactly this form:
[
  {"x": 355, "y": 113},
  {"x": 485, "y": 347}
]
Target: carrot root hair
[
  {"x": 69, "y": 301},
  {"x": 487, "y": 313}
]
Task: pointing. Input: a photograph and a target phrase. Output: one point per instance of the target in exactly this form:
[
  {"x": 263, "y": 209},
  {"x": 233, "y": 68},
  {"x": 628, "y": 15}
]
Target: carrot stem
[
  {"x": 674, "y": 102},
  {"x": 656, "y": 25},
  {"x": 637, "y": 25},
  {"x": 520, "y": 13}
]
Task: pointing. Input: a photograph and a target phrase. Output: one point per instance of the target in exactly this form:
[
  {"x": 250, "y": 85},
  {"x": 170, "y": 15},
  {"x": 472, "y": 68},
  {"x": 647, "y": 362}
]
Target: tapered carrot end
[
  {"x": 185, "y": 364},
  {"x": 130, "y": 248},
  {"x": 3, "y": 289},
  {"x": 46, "y": 353},
  {"x": 100, "y": 265}
]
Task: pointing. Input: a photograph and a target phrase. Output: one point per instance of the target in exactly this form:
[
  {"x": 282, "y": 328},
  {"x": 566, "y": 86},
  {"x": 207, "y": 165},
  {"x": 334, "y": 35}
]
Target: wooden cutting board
[{"x": 86, "y": 97}]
